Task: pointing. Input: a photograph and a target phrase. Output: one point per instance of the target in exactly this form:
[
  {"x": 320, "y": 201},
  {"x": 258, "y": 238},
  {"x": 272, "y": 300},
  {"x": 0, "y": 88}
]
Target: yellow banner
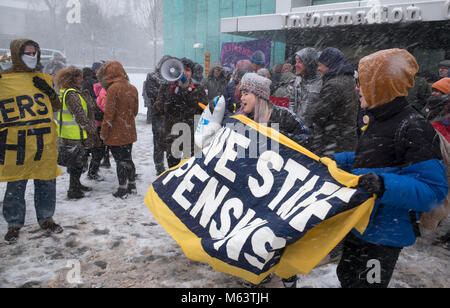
[
  {"x": 255, "y": 202},
  {"x": 28, "y": 132}
]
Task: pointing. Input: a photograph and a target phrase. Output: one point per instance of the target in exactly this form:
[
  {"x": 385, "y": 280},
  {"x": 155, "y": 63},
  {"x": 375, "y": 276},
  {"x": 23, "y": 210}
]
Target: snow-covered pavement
[{"x": 118, "y": 243}]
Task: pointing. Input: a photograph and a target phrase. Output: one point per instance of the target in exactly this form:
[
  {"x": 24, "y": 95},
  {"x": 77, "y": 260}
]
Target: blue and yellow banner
[
  {"x": 255, "y": 202},
  {"x": 28, "y": 133}
]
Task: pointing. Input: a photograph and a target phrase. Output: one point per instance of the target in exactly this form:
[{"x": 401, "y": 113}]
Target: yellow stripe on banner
[
  {"x": 316, "y": 244},
  {"x": 189, "y": 242},
  {"x": 344, "y": 178}
]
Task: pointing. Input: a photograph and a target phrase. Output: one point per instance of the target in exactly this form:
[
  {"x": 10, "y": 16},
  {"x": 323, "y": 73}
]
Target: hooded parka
[{"x": 122, "y": 106}]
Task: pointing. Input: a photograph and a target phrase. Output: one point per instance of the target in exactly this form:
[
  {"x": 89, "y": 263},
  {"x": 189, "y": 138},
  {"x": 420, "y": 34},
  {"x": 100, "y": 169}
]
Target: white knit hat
[{"x": 258, "y": 85}]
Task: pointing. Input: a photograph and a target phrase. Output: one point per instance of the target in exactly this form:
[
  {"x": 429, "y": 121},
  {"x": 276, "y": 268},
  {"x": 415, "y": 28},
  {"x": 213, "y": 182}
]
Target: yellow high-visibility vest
[{"x": 68, "y": 128}]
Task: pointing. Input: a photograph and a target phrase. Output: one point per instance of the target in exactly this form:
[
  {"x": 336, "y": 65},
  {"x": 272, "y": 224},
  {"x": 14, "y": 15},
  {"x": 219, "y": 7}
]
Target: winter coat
[
  {"x": 18, "y": 66},
  {"x": 89, "y": 79},
  {"x": 100, "y": 93},
  {"x": 289, "y": 124},
  {"x": 215, "y": 86},
  {"x": 435, "y": 107},
  {"x": 122, "y": 106},
  {"x": 334, "y": 117},
  {"x": 418, "y": 96},
  {"x": 232, "y": 103},
  {"x": 400, "y": 146},
  {"x": 179, "y": 105},
  {"x": 285, "y": 89},
  {"x": 151, "y": 89},
  {"x": 403, "y": 148},
  {"x": 431, "y": 220},
  {"x": 306, "y": 92}
]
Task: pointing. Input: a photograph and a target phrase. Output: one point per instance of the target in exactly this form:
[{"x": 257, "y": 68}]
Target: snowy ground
[
  {"x": 118, "y": 243},
  {"x": 138, "y": 80}
]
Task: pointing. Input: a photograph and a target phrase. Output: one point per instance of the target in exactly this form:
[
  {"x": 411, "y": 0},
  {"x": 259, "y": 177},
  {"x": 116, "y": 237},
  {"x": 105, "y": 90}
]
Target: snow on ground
[
  {"x": 118, "y": 243},
  {"x": 138, "y": 80}
]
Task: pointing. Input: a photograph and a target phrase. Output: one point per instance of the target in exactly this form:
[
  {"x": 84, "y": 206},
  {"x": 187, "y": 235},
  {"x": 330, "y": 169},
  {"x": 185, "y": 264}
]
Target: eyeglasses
[{"x": 30, "y": 53}]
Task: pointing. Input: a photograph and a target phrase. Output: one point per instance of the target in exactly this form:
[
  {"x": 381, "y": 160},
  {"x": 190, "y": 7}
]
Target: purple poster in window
[{"x": 233, "y": 52}]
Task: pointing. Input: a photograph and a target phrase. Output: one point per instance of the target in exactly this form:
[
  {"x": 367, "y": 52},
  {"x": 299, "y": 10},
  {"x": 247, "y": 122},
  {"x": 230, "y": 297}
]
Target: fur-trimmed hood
[
  {"x": 110, "y": 73},
  {"x": 17, "y": 48}
]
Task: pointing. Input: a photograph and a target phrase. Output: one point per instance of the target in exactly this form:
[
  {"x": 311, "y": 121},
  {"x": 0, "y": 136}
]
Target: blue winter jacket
[
  {"x": 403, "y": 148},
  {"x": 420, "y": 187}
]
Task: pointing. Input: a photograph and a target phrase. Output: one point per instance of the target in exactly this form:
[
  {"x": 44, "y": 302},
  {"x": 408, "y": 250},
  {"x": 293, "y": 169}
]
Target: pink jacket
[{"x": 101, "y": 100}]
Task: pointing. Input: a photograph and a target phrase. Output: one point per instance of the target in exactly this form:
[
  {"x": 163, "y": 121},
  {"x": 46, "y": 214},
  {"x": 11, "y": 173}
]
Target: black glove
[
  {"x": 42, "y": 85},
  {"x": 372, "y": 184}
]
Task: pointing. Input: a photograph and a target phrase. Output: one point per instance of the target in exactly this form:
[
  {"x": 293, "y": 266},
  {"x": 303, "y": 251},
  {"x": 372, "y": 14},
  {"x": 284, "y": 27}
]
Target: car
[
  {"x": 47, "y": 55},
  {"x": 5, "y": 59}
]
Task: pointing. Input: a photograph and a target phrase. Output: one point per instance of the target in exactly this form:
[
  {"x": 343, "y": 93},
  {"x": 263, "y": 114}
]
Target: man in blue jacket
[{"x": 399, "y": 156}]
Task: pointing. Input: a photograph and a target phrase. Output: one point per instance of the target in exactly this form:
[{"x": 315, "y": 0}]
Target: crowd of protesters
[{"x": 389, "y": 126}]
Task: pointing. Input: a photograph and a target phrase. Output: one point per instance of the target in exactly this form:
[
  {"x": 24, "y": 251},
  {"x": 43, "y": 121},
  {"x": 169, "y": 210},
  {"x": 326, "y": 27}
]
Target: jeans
[{"x": 14, "y": 207}]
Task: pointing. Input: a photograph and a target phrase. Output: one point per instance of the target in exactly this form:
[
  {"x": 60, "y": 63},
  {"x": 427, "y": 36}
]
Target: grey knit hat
[
  {"x": 258, "y": 57},
  {"x": 258, "y": 85}
]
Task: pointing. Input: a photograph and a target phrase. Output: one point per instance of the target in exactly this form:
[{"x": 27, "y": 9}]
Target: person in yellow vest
[
  {"x": 76, "y": 128},
  {"x": 25, "y": 56}
]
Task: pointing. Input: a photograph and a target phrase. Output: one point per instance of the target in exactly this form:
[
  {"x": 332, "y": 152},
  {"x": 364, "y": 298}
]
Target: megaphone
[{"x": 172, "y": 69}]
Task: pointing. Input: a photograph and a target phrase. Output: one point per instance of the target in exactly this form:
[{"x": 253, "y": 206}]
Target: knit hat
[
  {"x": 331, "y": 57},
  {"x": 258, "y": 85},
  {"x": 444, "y": 64},
  {"x": 386, "y": 75},
  {"x": 188, "y": 63},
  {"x": 442, "y": 85},
  {"x": 258, "y": 57}
]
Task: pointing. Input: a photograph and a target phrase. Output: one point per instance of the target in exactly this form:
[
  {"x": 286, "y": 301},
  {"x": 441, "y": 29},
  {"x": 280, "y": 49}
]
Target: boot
[
  {"x": 105, "y": 163},
  {"x": 75, "y": 194},
  {"x": 95, "y": 177},
  {"x": 12, "y": 236},
  {"x": 290, "y": 283},
  {"x": 132, "y": 189},
  {"x": 85, "y": 188},
  {"x": 50, "y": 225},
  {"x": 121, "y": 193}
]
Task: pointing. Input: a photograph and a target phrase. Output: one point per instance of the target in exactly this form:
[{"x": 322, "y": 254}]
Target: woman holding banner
[
  {"x": 399, "y": 156},
  {"x": 255, "y": 91}
]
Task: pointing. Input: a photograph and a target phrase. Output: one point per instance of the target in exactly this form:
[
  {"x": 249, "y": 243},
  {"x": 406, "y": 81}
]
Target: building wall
[{"x": 187, "y": 22}]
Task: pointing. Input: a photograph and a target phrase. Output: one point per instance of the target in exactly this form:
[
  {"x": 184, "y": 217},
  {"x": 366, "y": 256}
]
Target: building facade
[
  {"x": 358, "y": 28},
  {"x": 193, "y": 27}
]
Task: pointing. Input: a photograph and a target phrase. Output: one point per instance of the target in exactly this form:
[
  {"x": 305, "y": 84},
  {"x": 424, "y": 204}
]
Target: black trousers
[
  {"x": 97, "y": 156},
  {"x": 126, "y": 170},
  {"x": 158, "y": 148},
  {"x": 362, "y": 262}
]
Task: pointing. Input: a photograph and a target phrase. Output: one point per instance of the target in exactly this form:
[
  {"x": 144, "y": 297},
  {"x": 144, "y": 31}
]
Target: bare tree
[
  {"x": 150, "y": 13},
  {"x": 52, "y": 7}
]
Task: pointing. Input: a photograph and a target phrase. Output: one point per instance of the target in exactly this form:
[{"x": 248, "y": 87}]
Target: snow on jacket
[
  {"x": 122, "y": 106},
  {"x": 215, "y": 86},
  {"x": 306, "y": 91},
  {"x": 335, "y": 115}
]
